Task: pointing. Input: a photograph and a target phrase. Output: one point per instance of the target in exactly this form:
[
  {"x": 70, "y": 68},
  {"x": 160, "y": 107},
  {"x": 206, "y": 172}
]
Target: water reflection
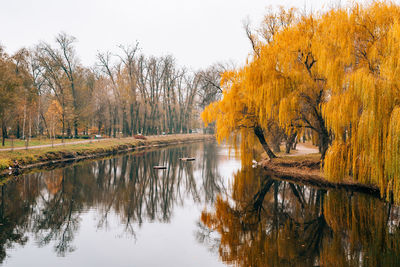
[
  {"x": 48, "y": 205},
  {"x": 256, "y": 221},
  {"x": 267, "y": 222}
]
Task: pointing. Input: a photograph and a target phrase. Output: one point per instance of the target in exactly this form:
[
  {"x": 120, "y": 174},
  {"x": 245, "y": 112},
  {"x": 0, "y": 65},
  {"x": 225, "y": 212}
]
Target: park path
[
  {"x": 303, "y": 149},
  {"x": 49, "y": 145}
]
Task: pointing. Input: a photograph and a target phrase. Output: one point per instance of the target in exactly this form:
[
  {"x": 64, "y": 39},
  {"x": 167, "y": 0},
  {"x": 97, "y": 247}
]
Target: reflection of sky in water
[
  {"x": 156, "y": 244},
  {"x": 153, "y": 243}
]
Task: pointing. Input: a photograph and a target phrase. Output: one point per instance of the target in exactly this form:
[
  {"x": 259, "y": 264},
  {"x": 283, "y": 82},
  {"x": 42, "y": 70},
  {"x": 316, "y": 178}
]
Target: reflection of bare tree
[
  {"x": 58, "y": 217},
  {"x": 50, "y": 204},
  {"x": 15, "y": 215},
  {"x": 268, "y": 222},
  {"x": 209, "y": 171}
]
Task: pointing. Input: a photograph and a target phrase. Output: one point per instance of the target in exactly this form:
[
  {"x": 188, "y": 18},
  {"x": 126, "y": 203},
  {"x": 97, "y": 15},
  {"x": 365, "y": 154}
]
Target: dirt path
[
  {"x": 49, "y": 145},
  {"x": 303, "y": 149}
]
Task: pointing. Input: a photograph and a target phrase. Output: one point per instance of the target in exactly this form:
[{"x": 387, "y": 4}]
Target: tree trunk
[
  {"x": 324, "y": 138},
  {"x": 125, "y": 125},
  {"x": 18, "y": 130},
  {"x": 63, "y": 127},
  {"x": 76, "y": 127},
  {"x": 38, "y": 118},
  {"x": 276, "y": 147},
  {"x": 324, "y": 144},
  {"x": 289, "y": 142},
  {"x": 99, "y": 127},
  {"x": 136, "y": 125},
  {"x": 260, "y": 135},
  {"x": 288, "y": 146},
  {"x": 23, "y": 125},
  {"x": 115, "y": 115},
  {"x": 4, "y": 134},
  {"x": 132, "y": 119}
]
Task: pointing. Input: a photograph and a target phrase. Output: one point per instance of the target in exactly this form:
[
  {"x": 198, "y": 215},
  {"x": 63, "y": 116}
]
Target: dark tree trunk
[
  {"x": 324, "y": 138},
  {"x": 294, "y": 145},
  {"x": 136, "y": 124},
  {"x": 276, "y": 147},
  {"x": 258, "y": 131},
  {"x": 324, "y": 143},
  {"x": 18, "y": 131},
  {"x": 289, "y": 142},
  {"x": 63, "y": 127},
  {"x": 100, "y": 124},
  {"x": 4, "y": 134},
  {"x": 125, "y": 125},
  {"x": 288, "y": 145},
  {"x": 115, "y": 114},
  {"x": 69, "y": 131},
  {"x": 144, "y": 127},
  {"x": 76, "y": 127},
  {"x": 132, "y": 131}
]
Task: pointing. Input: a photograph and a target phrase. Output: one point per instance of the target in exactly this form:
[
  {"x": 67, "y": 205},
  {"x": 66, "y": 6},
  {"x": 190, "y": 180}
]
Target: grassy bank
[
  {"x": 24, "y": 159},
  {"x": 9, "y": 143}
]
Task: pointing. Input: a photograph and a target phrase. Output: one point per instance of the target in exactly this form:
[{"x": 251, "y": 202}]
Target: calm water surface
[{"x": 210, "y": 212}]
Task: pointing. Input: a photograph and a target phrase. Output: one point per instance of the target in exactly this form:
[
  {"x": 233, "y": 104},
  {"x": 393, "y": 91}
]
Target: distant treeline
[{"x": 46, "y": 91}]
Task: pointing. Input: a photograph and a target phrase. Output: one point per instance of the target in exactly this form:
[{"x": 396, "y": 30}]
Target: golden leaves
[{"x": 336, "y": 72}]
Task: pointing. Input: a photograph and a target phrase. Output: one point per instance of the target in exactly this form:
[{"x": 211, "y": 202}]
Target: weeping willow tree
[
  {"x": 336, "y": 73},
  {"x": 280, "y": 83},
  {"x": 239, "y": 112},
  {"x": 287, "y": 84}
]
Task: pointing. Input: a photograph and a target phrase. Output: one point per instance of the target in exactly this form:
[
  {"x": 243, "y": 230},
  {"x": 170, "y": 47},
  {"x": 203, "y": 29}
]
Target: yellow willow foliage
[
  {"x": 234, "y": 116},
  {"x": 284, "y": 81},
  {"x": 338, "y": 167},
  {"x": 392, "y": 157},
  {"x": 267, "y": 88},
  {"x": 364, "y": 103},
  {"x": 332, "y": 39},
  {"x": 287, "y": 111}
]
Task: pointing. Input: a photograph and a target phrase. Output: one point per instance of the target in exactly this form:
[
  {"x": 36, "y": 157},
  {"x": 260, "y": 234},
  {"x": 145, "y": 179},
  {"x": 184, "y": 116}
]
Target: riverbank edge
[
  {"x": 44, "y": 158},
  {"x": 308, "y": 172}
]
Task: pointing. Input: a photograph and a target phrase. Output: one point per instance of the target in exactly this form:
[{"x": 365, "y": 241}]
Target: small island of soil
[{"x": 304, "y": 167}]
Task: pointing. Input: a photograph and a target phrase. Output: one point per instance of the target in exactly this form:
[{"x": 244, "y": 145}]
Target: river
[{"x": 209, "y": 212}]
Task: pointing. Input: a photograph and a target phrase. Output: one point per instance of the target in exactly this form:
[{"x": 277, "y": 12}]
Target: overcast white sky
[{"x": 196, "y": 32}]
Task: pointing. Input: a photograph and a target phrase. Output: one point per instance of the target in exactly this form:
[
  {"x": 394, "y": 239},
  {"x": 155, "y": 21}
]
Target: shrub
[{"x": 138, "y": 136}]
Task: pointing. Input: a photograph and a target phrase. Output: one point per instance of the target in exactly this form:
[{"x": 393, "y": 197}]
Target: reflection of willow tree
[
  {"x": 368, "y": 232},
  {"x": 50, "y": 204},
  {"x": 268, "y": 222}
]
